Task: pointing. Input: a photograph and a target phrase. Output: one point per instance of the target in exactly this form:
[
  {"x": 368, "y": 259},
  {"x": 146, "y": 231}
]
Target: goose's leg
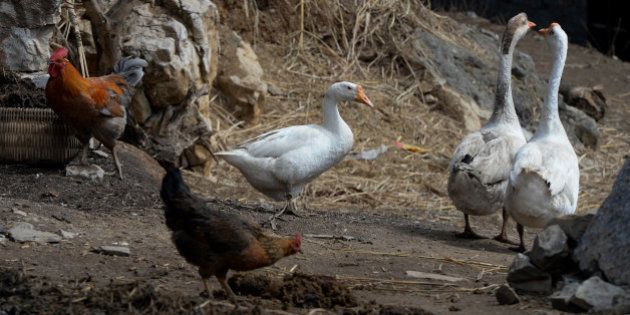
[
  {"x": 521, "y": 231},
  {"x": 468, "y": 231},
  {"x": 502, "y": 237}
]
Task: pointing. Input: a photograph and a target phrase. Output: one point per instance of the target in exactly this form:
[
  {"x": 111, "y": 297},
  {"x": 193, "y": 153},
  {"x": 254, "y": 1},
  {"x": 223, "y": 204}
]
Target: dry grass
[{"x": 363, "y": 43}]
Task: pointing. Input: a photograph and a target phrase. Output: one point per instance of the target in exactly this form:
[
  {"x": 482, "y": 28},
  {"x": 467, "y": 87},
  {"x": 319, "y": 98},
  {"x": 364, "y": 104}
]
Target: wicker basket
[{"x": 35, "y": 136}]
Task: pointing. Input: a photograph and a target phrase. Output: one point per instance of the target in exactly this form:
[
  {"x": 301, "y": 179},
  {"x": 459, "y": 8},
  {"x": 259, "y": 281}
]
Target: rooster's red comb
[{"x": 61, "y": 52}]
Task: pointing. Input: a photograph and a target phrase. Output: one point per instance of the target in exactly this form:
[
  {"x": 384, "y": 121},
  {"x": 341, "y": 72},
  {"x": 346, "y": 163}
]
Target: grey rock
[
  {"x": 91, "y": 172},
  {"x": 3, "y": 240},
  {"x": 19, "y": 212},
  {"x": 506, "y": 295},
  {"x": 573, "y": 226},
  {"x": 523, "y": 276},
  {"x": 23, "y": 232},
  {"x": 3, "y": 230},
  {"x": 550, "y": 251},
  {"x": 590, "y": 100},
  {"x": 605, "y": 246},
  {"x": 596, "y": 294},
  {"x": 38, "y": 79},
  {"x": 113, "y": 250},
  {"x": 580, "y": 128},
  {"x": 26, "y": 27},
  {"x": 561, "y": 299}
]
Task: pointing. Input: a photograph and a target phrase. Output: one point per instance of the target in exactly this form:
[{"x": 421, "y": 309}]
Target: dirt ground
[{"x": 372, "y": 248}]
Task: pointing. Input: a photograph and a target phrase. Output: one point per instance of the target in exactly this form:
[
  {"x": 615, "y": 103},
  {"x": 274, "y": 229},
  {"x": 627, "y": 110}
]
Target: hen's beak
[
  {"x": 544, "y": 31},
  {"x": 531, "y": 24},
  {"x": 362, "y": 98}
]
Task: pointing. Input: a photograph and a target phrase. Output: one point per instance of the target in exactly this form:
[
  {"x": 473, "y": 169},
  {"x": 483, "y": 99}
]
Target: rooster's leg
[
  {"x": 117, "y": 162},
  {"x": 502, "y": 237},
  {"x": 84, "y": 153}
]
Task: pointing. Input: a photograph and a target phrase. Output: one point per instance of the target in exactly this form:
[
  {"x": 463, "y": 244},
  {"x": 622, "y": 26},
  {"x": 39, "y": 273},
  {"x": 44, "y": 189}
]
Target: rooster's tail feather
[{"x": 131, "y": 69}]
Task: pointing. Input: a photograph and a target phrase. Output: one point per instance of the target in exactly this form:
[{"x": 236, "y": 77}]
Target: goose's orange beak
[
  {"x": 362, "y": 98},
  {"x": 531, "y": 24},
  {"x": 544, "y": 31}
]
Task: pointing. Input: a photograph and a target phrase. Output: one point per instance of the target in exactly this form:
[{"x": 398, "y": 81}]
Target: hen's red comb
[{"x": 59, "y": 53}]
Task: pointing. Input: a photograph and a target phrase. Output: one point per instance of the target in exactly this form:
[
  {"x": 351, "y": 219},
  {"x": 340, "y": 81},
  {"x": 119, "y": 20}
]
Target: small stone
[
  {"x": 3, "y": 230},
  {"x": 561, "y": 299},
  {"x": 596, "y": 294},
  {"x": 454, "y": 308},
  {"x": 506, "y": 295},
  {"x": 523, "y": 276},
  {"x": 18, "y": 212},
  {"x": 273, "y": 90},
  {"x": 67, "y": 235},
  {"x": 113, "y": 251},
  {"x": 91, "y": 172},
  {"x": 23, "y": 232},
  {"x": 551, "y": 251},
  {"x": 3, "y": 240}
]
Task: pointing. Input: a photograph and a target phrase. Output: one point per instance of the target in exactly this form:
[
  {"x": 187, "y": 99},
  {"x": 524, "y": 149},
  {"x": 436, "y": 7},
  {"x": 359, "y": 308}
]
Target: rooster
[
  {"x": 216, "y": 241},
  {"x": 93, "y": 107}
]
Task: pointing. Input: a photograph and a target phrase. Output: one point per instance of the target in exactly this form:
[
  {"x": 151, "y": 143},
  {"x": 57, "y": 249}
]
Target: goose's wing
[
  {"x": 484, "y": 157},
  {"x": 277, "y": 142},
  {"x": 552, "y": 162},
  {"x": 467, "y": 149},
  {"x": 494, "y": 160}
]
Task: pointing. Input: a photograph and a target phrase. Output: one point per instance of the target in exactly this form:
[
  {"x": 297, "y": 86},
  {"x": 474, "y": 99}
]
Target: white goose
[
  {"x": 281, "y": 162},
  {"x": 480, "y": 166},
  {"x": 544, "y": 181}
]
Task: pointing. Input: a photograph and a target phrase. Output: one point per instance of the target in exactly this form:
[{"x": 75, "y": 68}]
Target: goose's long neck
[
  {"x": 330, "y": 112},
  {"x": 504, "y": 111},
  {"x": 549, "y": 117}
]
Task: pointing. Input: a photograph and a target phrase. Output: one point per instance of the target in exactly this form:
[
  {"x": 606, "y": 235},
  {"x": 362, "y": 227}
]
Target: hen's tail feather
[{"x": 131, "y": 69}]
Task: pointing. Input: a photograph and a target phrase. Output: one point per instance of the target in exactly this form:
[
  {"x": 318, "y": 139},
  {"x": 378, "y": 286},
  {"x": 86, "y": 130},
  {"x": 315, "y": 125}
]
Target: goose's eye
[{"x": 349, "y": 88}]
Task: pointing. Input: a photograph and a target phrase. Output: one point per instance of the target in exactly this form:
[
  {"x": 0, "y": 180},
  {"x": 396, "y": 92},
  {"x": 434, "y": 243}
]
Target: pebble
[
  {"x": 18, "y": 212},
  {"x": 113, "y": 251},
  {"x": 67, "y": 235}
]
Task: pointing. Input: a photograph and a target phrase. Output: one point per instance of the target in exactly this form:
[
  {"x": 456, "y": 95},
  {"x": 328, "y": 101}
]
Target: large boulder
[
  {"x": 26, "y": 27},
  {"x": 240, "y": 77},
  {"x": 605, "y": 246},
  {"x": 179, "y": 40}
]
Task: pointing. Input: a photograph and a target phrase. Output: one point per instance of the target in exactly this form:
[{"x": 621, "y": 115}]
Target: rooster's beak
[{"x": 362, "y": 98}]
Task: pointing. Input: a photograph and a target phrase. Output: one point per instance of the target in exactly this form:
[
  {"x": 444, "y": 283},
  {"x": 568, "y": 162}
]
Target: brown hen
[{"x": 217, "y": 241}]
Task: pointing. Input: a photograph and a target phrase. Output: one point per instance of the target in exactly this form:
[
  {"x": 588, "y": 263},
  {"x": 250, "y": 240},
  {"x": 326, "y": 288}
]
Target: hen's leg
[
  {"x": 207, "y": 286},
  {"x": 468, "y": 231},
  {"x": 226, "y": 287},
  {"x": 117, "y": 162},
  {"x": 521, "y": 231},
  {"x": 502, "y": 237}
]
